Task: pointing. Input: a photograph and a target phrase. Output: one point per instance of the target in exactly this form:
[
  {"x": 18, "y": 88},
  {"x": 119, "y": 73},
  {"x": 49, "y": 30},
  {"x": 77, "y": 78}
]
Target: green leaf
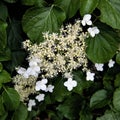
[
  {"x": 3, "y": 35},
  {"x": 3, "y": 12},
  {"x": 4, "y": 116},
  {"x": 98, "y": 99},
  {"x": 39, "y": 3},
  {"x": 60, "y": 91},
  {"x": 87, "y": 6},
  {"x": 81, "y": 82},
  {"x": 10, "y": 1},
  {"x": 39, "y": 20},
  {"x": 69, "y": 6},
  {"x": 103, "y": 46},
  {"x": 109, "y": 115},
  {"x": 116, "y": 99},
  {"x": 110, "y": 12},
  {"x": 31, "y": 115},
  {"x": 118, "y": 58},
  {"x": 85, "y": 115},
  {"x": 11, "y": 98},
  {"x": 2, "y": 110},
  {"x": 71, "y": 107},
  {"x": 117, "y": 80},
  {"x": 4, "y": 77},
  {"x": 5, "y": 55},
  {"x": 17, "y": 59},
  {"x": 1, "y": 67},
  {"x": 21, "y": 113},
  {"x": 15, "y": 39}
]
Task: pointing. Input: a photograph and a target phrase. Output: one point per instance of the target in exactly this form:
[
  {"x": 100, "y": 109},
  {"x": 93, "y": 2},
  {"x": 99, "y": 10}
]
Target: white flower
[
  {"x": 111, "y": 63},
  {"x": 30, "y": 104},
  {"x": 93, "y": 31},
  {"x": 21, "y": 70},
  {"x": 33, "y": 70},
  {"x": 70, "y": 84},
  {"x": 99, "y": 66},
  {"x": 49, "y": 88},
  {"x": 41, "y": 85},
  {"x": 90, "y": 76},
  {"x": 40, "y": 97},
  {"x": 86, "y": 20}
]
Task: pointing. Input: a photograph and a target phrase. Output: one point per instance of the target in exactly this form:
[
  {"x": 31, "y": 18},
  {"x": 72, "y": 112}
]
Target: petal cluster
[
  {"x": 70, "y": 84},
  {"x": 90, "y": 76}
]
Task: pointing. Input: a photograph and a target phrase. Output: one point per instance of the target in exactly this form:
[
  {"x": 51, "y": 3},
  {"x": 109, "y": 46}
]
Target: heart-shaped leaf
[{"x": 39, "y": 20}]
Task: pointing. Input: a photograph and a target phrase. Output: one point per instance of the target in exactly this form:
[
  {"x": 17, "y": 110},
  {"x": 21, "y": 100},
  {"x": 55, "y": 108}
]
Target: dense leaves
[{"x": 98, "y": 99}]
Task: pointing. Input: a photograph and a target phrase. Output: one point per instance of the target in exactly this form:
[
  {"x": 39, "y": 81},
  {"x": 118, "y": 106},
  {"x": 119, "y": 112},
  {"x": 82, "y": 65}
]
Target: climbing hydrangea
[{"x": 60, "y": 53}]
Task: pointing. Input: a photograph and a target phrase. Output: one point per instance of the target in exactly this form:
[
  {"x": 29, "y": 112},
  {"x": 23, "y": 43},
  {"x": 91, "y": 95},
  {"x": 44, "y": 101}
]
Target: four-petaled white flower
[
  {"x": 86, "y": 20},
  {"x": 111, "y": 63},
  {"x": 90, "y": 76},
  {"x": 70, "y": 84},
  {"x": 99, "y": 66},
  {"x": 40, "y": 97},
  {"x": 31, "y": 103},
  {"x": 93, "y": 31},
  {"x": 41, "y": 85},
  {"x": 49, "y": 88}
]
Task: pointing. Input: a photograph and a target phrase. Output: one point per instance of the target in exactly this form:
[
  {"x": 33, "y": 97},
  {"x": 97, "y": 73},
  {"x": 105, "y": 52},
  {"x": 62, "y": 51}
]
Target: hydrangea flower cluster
[{"x": 59, "y": 53}]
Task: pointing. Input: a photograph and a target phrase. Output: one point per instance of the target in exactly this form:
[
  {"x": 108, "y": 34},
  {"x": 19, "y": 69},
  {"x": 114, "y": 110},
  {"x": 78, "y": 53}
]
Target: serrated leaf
[
  {"x": 3, "y": 35},
  {"x": 39, "y": 20},
  {"x": 60, "y": 91},
  {"x": 10, "y": 1},
  {"x": 110, "y": 12},
  {"x": 103, "y": 46},
  {"x": 2, "y": 110},
  {"x": 109, "y": 115},
  {"x": 21, "y": 113},
  {"x": 98, "y": 99},
  {"x": 116, "y": 99},
  {"x": 118, "y": 58},
  {"x": 3, "y": 12},
  {"x": 11, "y": 98},
  {"x": 87, "y": 6},
  {"x": 69, "y": 6},
  {"x": 71, "y": 107},
  {"x": 4, "y": 77}
]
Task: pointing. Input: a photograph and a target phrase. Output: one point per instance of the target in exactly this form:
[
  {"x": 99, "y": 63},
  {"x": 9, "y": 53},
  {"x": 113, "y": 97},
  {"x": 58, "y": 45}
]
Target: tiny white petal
[
  {"x": 21, "y": 70},
  {"x": 41, "y": 85},
  {"x": 99, "y": 66},
  {"x": 70, "y": 84},
  {"x": 49, "y": 88},
  {"x": 90, "y": 76},
  {"x": 111, "y": 63},
  {"x": 29, "y": 108},
  {"x": 93, "y": 31},
  {"x": 86, "y": 20},
  {"x": 40, "y": 97}
]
